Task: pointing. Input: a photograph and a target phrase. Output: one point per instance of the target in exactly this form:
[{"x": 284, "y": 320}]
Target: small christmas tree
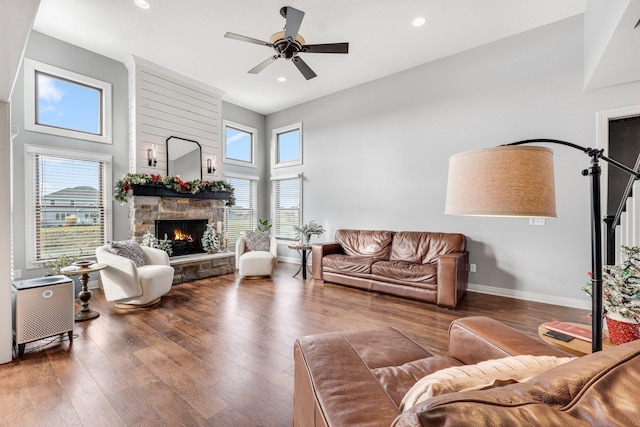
[
  {"x": 621, "y": 285},
  {"x": 150, "y": 240},
  {"x": 209, "y": 239}
]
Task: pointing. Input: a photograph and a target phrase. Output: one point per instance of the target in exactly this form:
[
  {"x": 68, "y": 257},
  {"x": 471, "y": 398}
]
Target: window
[
  {"x": 287, "y": 145},
  {"x": 65, "y": 103},
  {"x": 243, "y": 215},
  {"x": 239, "y": 144},
  {"x": 287, "y": 203},
  {"x": 68, "y": 203}
]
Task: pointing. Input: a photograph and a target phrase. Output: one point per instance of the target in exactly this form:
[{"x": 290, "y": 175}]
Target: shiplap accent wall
[{"x": 163, "y": 103}]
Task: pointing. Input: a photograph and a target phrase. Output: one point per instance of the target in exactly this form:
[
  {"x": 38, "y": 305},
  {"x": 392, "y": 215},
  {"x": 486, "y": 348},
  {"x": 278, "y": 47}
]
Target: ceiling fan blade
[
  {"x": 247, "y": 39},
  {"x": 306, "y": 71},
  {"x": 294, "y": 20},
  {"x": 326, "y": 48},
  {"x": 264, "y": 64}
]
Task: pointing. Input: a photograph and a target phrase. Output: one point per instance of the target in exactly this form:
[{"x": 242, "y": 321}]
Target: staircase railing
[{"x": 613, "y": 221}]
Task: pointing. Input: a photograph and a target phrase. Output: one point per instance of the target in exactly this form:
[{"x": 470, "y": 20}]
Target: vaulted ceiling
[{"x": 187, "y": 36}]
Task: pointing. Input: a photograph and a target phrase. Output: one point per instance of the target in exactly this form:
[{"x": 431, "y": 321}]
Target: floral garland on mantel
[{"x": 122, "y": 187}]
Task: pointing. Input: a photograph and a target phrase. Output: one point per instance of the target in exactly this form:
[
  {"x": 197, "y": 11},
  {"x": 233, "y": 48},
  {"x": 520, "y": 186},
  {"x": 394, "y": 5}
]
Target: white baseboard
[{"x": 530, "y": 296}]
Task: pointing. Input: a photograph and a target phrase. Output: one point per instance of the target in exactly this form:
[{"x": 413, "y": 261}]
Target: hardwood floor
[{"x": 216, "y": 352}]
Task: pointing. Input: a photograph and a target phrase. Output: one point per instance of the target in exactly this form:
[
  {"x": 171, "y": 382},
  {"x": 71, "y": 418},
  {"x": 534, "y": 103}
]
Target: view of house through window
[
  {"x": 243, "y": 216},
  {"x": 287, "y": 207},
  {"x": 67, "y": 199}
]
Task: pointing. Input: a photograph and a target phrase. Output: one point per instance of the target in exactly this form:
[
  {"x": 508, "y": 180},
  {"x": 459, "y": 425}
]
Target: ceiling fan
[{"x": 288, "y": 44}]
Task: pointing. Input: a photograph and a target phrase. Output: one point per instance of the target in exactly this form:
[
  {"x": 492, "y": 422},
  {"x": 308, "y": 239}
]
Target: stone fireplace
[{"x": 146, "y": 211}]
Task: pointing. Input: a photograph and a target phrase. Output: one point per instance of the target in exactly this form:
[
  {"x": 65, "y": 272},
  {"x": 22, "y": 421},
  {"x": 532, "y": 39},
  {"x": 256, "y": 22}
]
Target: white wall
[
  {"x": 5, "y": 243},
  {"x": 376, "y": 156},
  {"x": 15, "y": 21}
]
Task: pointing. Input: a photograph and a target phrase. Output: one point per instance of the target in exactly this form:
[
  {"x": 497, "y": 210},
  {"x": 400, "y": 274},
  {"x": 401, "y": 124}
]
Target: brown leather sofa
[
  {"x": 358, "y": 378},
  {"x": 431, "y": 267}
]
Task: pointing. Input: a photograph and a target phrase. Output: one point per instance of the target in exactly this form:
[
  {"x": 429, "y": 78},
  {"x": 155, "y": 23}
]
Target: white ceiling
[{"x": 187, "y": 36}]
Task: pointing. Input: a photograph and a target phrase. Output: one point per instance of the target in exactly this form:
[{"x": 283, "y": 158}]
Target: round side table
[
  {"x": 86, "y": 312},
  {"x": 303, "y": 251}
]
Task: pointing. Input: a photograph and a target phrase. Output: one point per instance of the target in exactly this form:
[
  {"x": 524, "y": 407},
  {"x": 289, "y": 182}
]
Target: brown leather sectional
[
  {"x": 431, "y": 267},
  {"x": 359, "y": 377}
]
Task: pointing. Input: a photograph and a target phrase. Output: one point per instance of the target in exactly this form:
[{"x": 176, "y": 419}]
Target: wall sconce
[
  {"x": 211, "y": 164},
  {"x": 152, "y": 157}
]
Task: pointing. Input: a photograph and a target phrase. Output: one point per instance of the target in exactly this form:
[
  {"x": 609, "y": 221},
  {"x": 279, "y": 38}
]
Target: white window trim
[
  {"x": 30, "y": 151},
  {"x": 30, "y": 68},
  {"x": 274, "y": 146},
  {"x": 244, "y": 128},
  {"x": 273, "y": 201},
  {"x": 241, "y": 176}
]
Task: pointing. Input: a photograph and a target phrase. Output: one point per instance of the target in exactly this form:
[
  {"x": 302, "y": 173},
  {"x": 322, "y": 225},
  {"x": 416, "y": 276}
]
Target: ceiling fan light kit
[{"x": 289, "y": 43}]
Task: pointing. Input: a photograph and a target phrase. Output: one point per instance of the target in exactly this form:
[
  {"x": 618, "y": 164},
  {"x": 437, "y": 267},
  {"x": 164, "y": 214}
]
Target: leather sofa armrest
[
  {"x": 477, "y": 338},
  {"x": 319, "y": 250},
  {"x": 453, "y": 276}
]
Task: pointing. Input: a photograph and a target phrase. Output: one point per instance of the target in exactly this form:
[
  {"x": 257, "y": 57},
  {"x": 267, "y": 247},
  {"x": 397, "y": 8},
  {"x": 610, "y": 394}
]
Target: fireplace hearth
[{"x": 185, "y": 234}]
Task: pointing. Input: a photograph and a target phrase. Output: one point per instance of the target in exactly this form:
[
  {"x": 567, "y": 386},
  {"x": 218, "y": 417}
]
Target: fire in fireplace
[{"x": 185, "y": 234}]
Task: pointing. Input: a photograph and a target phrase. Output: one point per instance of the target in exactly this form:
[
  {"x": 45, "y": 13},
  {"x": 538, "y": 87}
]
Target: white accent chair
[
  {"x": 256, "y": 264},
  {"x": 130, "y": 286}
]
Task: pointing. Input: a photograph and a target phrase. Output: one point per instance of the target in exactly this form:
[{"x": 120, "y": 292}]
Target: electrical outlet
[
  {"x": 17, "y": 274},
  {"x": 537, "y": 221},
  {"x": 472, "y": 268}
]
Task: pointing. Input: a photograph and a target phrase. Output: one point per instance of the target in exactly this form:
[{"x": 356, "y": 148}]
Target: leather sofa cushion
[
  {"x": 368, "y": 243},
  {"x": 348, "y": 264},
  {"x": 406, "y": 271},
  {"x": 424, "y": 247}
]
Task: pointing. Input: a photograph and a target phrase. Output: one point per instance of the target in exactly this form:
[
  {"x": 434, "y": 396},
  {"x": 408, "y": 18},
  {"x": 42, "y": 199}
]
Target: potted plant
[
  {"x": 210, "y": 242},
  {"x": 263, "y": 225},
  {"x": 60, "y": 262},
  {"x": 621, "y": 296},
  {"x": 307, "y": 230}
]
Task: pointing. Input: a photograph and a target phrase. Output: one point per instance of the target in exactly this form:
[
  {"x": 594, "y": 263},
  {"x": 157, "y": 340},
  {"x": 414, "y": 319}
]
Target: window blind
[
  {"x": 287, "y": 207},
  {"x": 67, "y": 206},
  {"x": 243, "y": 215}
]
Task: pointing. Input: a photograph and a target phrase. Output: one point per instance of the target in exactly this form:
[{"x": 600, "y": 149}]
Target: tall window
[
  {"x": 64, "y": 103},
  {"x": 239, "y": 144},
  {"x": 243, "y": 215},
  {"x": 287, "y": 203},
  {"x": 68, "y": 203},
  {"x": 287, "y": 145}
]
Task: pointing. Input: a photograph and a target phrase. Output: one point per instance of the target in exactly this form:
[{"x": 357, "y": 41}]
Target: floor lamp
[{"x": 514, "y": 180}]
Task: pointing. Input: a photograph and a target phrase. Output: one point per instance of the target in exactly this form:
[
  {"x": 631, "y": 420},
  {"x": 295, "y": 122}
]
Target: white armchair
[
  {"x": 130, "y": 286},
  {"x": 254, "y": 263}
]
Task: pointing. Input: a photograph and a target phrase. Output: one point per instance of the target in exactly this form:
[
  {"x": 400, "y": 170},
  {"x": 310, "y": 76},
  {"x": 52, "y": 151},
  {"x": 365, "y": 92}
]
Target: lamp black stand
[{"x": 596, "y": 230}]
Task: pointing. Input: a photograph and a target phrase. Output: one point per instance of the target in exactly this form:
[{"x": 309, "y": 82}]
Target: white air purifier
[{"x": 42, "y": 308}]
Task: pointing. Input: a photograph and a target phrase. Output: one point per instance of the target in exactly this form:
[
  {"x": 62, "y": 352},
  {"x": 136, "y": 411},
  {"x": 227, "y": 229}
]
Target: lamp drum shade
[{"x": 502, "y": 181}]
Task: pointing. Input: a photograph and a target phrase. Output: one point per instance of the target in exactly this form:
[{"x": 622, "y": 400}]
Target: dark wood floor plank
[{"x": 218, "y": 351}]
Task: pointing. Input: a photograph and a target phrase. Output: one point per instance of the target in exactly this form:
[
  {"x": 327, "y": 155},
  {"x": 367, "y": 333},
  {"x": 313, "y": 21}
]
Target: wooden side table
[
  {"x": 302, "y": 250},
  {"x": 86, "y": 312},
  {"x": 575, "y": 346}
]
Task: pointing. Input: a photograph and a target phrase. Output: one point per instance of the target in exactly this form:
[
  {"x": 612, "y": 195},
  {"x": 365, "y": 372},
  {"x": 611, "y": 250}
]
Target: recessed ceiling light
[
  {"x": 142, "y": 4},
  {"x": 418, "y": 22},
  {"x": 282, "y": 79}
]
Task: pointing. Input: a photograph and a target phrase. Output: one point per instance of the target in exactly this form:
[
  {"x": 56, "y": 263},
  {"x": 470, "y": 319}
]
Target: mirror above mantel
[{"x": 184, "y": 158}]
